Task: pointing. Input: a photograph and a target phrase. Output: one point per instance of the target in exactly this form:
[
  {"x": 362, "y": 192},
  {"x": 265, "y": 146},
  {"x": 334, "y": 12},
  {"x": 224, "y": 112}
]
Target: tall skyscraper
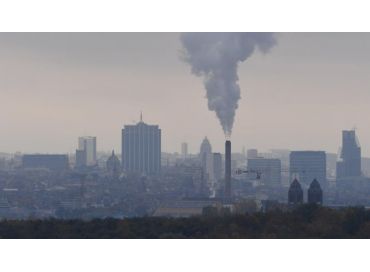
[
  {"x": 270, "y": 169},
  {"x": 184, "y": 150},
  {"x": 307, "y": 166},
  {"x": 205, "y": 150},
  {"x": 217, "y": 167},
  {"x": 86, "y": 152},
  {"x": 349, "y": 164},
  {"x": 205, "y": 156},
  {"x": 141, "y": 148}
]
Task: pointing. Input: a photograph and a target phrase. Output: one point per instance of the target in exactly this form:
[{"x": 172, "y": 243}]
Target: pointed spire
[
  {"x": 141, "y": 116},
  {"x": 113, "y": 152}
]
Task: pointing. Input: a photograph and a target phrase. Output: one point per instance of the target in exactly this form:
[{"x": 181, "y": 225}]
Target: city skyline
[{"x": 315, "y": 85}]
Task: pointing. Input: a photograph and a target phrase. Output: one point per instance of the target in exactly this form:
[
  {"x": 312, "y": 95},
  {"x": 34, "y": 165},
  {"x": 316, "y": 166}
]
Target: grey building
[
  {"x": 80, "y": 158},
  {"x": 349, "y": 163},
  {"x": 205, "y": 153},
  {"x": 184, "y": 150},
  {"x": 295, "y": 193},
  {"x": 113, "y": 166},
  {"x": 268, "y": 170},
  {"x": 252, "y": 153},
  {"x": 307, "y": 166},
  {"x": 141, "y": 149},
  {"x": 86, "y": 152},
  {"x": 54, "y": 162},
  {"x": 217, "y": 166},
  {"x": 314, "y": 193}
]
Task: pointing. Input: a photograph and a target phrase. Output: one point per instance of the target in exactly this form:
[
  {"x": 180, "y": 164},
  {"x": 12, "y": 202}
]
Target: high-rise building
[
  {"x": 86, "y": 151},
  {"x": 252, "y": 153},
  {"x": 205, "y": 150},
  {"x": 349, "y": 163},
  {"x": 80, "y": 158},
  {"x": 54, "y": 162},
  {"x": 184, "y": 150},
  {"x": 314, "y": 193},
  {"x": 295, "y": 193},
  {"x": 307, "y": 166},
  {"x": 205, "y": 157},
  {"x": 141, "y": 148},
  {"x": 268, "y": 170},
  {"x": 217, "y": 167}
]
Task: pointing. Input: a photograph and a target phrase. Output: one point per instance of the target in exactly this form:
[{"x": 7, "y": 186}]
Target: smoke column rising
[{"x": 215, "y": 56}]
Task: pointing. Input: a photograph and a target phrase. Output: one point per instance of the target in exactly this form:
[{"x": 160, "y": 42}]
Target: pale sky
[{"x": 57, "y": 87}]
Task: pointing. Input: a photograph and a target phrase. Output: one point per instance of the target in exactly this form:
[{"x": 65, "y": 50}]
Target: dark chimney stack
[{"x": 227, "y": 195}]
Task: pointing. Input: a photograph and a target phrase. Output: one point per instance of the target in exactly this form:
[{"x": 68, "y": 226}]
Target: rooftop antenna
[{"x": 141, "y": 116}]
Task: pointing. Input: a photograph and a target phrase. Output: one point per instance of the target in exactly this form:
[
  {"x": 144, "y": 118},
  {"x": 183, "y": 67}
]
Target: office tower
[
  {"x": 268, "y": 170},
  {"x": 184, "y": 150},
  {"x": 307, "y": 166},
  {"x": 113, "y": 165},
  {"x": 205, "y": 157},
  {"x": 141, "y": 148},
  {"x": 217, "y": 167},
  {"x": 205, "y": 151},
  {"x": 87, "y": 145},
  {"x": 295, "y": 193},
  {"x": 314, "y": 194},
  {"x": 80, "y": 158},
  {"x": 252, "y": 153},
  {"x": 349, "y": 164},
  {"x": 228, "y": 194},
  {"x": 54, "y": 162}
]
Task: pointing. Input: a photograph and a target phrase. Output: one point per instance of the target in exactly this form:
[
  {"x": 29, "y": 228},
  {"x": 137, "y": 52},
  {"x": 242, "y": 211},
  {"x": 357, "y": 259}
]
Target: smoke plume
[{"x": 215, "y": 57}]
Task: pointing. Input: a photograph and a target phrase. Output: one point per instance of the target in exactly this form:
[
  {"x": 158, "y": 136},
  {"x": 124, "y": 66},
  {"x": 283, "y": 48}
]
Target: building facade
[
  {"x": 349, "y": 163},
  {"x": 314, "y": 193},
  {"x": 81, "y": 160},
  {"x": 295, "y": 193},
  {"x": 268, "y": 170},
  {"x": 54, "y": 162},
  {"x": 307, "y": 166},
  {"x": 141, "y": 149},
  {"x": 252, "y": 153},
  {"x": 205, "y": 157},
  {"x": 217, "y": 167},
  {"x": 113, "y": 166},
  {"x": 184, "y": 150},
  {"x": 86, "y": 152}
]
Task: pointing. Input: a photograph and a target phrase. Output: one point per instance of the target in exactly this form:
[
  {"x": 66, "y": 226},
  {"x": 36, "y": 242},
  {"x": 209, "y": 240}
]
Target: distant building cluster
[{"x": 145, "y": 180}]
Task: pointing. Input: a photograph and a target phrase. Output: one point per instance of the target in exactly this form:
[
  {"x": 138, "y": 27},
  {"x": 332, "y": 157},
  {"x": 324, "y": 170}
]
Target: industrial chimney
[{"x": 227, "y": 195}]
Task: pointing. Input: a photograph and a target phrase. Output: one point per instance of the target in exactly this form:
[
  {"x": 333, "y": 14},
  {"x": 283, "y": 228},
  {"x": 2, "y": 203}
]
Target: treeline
[{"x": 307, "y": 221}]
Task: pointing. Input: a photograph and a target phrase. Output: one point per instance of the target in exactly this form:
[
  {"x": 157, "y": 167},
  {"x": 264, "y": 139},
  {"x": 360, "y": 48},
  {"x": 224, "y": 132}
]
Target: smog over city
[{"x": 184, "y": 135}]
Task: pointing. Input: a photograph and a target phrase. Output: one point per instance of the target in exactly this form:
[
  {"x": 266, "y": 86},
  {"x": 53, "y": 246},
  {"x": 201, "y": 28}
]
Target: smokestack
[{"x": 227, "y": 195}]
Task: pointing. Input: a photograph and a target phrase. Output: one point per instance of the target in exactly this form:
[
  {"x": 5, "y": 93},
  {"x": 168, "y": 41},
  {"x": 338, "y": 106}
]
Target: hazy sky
[{"x": 56, "y": 87}]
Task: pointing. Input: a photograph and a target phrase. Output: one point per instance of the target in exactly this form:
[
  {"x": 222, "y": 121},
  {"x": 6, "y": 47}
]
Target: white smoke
[{"x": 215, "y": 56}]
